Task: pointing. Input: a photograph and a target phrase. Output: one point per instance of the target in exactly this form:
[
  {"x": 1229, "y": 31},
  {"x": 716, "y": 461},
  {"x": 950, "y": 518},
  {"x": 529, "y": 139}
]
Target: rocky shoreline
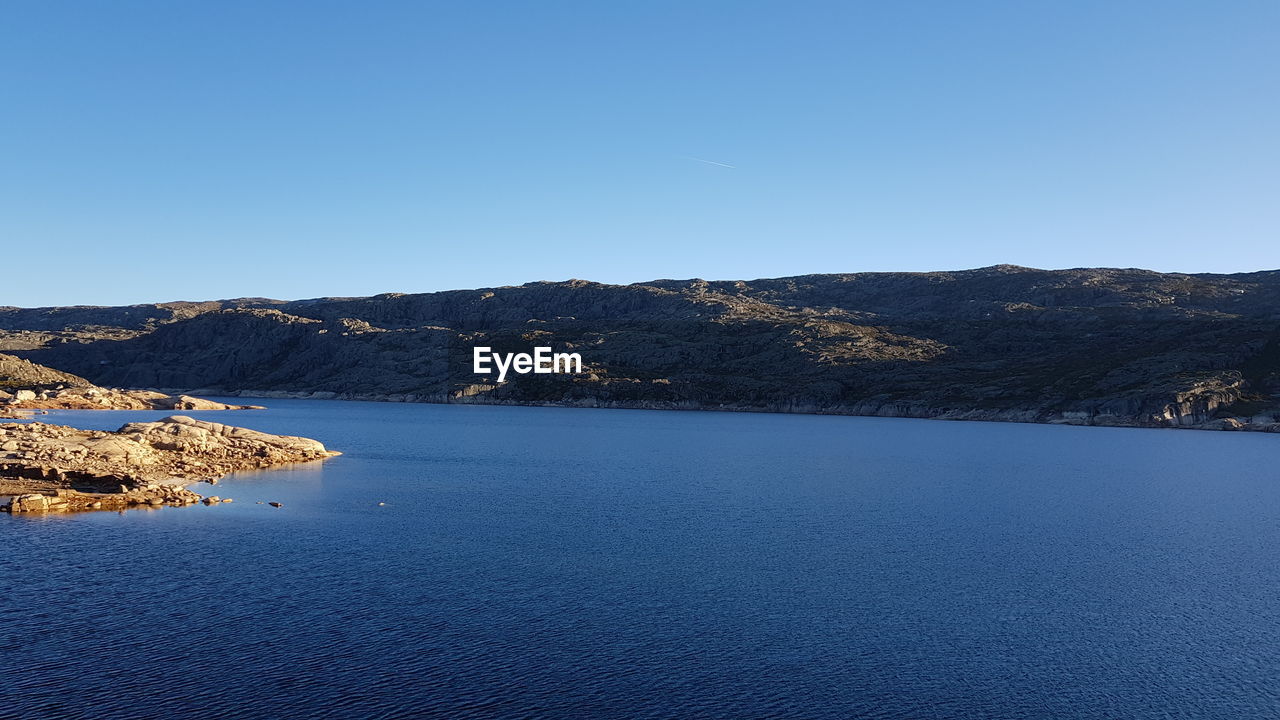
[
  {"x": 1191, "y": 413},
  {"x": 24, "y": 402},
  {"x": 59, "y": 468}
]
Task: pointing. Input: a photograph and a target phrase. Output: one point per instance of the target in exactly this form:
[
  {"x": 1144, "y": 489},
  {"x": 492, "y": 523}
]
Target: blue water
[{"x": 544, "y": 562}]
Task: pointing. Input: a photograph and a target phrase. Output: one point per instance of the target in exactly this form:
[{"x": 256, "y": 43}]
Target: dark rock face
[{"x": 1100, "y": 346}]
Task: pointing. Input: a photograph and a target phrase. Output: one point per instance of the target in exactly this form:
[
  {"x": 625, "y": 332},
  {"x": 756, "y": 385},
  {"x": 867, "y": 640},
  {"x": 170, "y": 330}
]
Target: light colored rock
[
  {"x": 32, "y": 502},
  {"x": 140, "y": 464}
]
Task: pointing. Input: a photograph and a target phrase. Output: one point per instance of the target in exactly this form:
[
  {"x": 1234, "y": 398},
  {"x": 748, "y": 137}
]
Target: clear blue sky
[{"x": 165, "y": 150}]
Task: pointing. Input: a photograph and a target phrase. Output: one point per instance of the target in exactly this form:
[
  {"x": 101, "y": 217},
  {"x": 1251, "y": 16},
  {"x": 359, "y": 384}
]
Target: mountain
[{"x": 1092, "y": 346}]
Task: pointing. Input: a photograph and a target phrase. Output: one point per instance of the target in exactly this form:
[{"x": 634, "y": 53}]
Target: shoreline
[{"x": 1198, "y": 421}]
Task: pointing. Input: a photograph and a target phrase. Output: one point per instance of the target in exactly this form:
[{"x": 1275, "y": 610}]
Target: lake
[{"x": 570, "y": 563}]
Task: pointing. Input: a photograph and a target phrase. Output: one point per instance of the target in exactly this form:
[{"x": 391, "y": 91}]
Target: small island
[
  {"x": 58, "y": 468},
  {"x": 47, "y": 467}
]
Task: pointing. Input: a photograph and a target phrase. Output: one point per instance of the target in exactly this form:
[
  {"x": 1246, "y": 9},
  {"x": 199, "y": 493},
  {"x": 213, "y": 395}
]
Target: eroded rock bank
[{"x": 54, "y": 467}]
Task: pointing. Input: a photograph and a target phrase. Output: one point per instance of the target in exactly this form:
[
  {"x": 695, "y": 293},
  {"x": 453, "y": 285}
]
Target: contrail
[{"x": 710, "y": 162}]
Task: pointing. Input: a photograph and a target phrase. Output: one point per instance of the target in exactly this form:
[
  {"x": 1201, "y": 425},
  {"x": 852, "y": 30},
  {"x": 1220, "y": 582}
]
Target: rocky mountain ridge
[{"x": 1088, "y": 346}]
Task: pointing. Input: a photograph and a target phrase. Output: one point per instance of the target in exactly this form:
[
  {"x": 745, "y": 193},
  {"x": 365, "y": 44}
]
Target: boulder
[{"x": 33, "y": 502}]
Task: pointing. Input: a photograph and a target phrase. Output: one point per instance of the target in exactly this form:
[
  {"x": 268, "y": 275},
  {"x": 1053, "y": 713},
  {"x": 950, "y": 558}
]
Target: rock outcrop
[
  {"x": 139, "y": 464},
  {"x": 26, "y": 386},
  {"x": 95, "y": 398},
  {"x": 1088, "y": 346},
  {"x": 16, "y": 372}
]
